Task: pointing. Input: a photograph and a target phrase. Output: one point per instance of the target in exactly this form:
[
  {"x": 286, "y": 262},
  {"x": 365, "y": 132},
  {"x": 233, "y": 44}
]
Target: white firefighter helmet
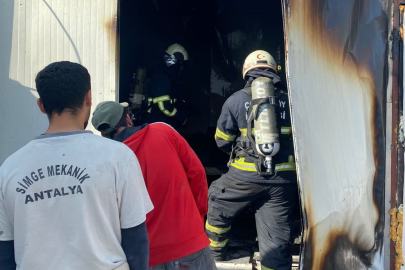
[
  {"x": 259, "y": 59},
  {"x": 172, "y": 49}
]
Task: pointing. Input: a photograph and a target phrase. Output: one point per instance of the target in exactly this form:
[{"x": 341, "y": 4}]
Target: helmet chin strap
[{"x": 257, "y": 72}]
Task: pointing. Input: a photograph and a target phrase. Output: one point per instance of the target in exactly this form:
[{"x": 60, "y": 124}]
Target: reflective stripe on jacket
[{"x": 163, "y": 105}]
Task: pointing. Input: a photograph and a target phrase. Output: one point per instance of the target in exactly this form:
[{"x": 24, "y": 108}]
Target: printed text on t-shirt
[{"x": 50, "y": 171}]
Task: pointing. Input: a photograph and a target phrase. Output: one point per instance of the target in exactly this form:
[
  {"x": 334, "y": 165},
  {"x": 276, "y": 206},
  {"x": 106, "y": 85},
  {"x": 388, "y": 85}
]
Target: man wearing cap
[{"x": 177, "y": 186}]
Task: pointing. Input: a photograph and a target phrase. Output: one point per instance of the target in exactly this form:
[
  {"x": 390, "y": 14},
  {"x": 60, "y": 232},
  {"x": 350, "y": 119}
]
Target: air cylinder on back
[
  {"x": 266, "y": 133},
  {"x": 136, "y": 95}
]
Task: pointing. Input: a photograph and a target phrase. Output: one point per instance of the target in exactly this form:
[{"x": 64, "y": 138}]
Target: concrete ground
[{"x": 248, "y": 257}]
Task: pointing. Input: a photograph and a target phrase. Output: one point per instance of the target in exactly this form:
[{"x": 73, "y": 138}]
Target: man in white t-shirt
[{"x": 70, "y": 199}]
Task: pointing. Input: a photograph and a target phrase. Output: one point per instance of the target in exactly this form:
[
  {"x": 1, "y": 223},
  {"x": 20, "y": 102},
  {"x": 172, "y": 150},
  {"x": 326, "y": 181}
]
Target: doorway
[{"x": 218, "y": 35}]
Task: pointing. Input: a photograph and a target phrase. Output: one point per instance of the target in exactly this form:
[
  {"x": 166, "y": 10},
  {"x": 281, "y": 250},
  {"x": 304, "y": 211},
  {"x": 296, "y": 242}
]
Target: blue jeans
[{"x": 201, "y": 260}]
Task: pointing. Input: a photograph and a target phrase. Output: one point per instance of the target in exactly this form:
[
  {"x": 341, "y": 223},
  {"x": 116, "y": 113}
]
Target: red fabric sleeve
[{"x": 195, "y": 173}]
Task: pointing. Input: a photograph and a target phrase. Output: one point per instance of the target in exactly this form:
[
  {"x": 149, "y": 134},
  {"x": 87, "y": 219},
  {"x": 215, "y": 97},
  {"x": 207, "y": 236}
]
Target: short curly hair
[{"x": 63, "y": 86}]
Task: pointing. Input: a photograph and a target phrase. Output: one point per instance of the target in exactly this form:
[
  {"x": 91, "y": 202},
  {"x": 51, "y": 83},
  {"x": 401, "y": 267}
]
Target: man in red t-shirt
[{"x": 177, "y": 186}]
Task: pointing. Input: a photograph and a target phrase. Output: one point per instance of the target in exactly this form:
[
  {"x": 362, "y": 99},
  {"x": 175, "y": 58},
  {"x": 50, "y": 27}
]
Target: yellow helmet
[
  {"x": 177, "y": 48},
  {"x": 258, "y": 59}
]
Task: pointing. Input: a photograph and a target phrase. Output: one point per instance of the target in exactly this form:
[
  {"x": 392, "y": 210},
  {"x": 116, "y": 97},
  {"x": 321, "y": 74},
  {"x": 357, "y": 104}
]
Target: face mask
[{"x": 170, "y": 60}]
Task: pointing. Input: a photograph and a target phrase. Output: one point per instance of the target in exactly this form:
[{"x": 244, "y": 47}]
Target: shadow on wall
[{"x": 21, "y": 120}]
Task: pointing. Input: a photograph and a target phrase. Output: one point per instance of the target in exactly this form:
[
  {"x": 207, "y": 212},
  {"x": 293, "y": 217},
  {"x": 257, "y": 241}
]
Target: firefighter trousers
[{"x": 273, "y": 205}]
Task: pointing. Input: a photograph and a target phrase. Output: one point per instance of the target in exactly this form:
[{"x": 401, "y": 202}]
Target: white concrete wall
[{"x": 35, "y": 33}]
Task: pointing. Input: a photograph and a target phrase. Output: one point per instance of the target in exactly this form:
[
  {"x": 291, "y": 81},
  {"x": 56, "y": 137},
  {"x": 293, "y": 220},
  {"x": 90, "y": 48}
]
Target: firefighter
[
  {"x": 165, "y": 90},
  {"x": 271, "y": 195}
]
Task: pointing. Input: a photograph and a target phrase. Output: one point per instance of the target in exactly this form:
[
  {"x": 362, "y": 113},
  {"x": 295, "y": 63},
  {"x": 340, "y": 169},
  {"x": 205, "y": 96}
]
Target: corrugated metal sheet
[
  {"x": 36, "y": 33},
  {"x": 337, "y": 75}
]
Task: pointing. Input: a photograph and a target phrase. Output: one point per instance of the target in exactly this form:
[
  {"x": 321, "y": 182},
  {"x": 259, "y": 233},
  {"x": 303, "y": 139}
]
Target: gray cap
[{"x": 108, "y": 112}]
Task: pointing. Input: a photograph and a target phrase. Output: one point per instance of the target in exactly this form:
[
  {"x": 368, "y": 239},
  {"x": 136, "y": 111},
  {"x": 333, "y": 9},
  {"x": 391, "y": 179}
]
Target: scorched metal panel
[{"x": 337, "y": 75}]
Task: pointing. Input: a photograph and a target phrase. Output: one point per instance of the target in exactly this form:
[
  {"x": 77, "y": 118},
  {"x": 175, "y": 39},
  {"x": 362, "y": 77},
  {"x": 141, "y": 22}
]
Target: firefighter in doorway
[
  {"x": 165, "y": 90},
  {"x": 272, "y": 195}
]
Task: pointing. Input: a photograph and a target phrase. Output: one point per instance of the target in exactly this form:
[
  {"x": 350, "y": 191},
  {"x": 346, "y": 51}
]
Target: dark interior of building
[{"x": 218, "y": 35}]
